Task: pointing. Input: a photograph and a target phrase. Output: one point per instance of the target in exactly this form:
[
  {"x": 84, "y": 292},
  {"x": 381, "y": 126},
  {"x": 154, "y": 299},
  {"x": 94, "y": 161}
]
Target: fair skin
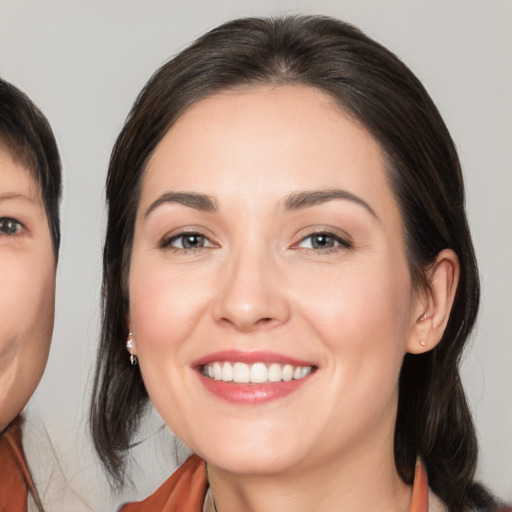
[
  {"x": 267, "y": 230},
  {"x": 27, "y": 290}
]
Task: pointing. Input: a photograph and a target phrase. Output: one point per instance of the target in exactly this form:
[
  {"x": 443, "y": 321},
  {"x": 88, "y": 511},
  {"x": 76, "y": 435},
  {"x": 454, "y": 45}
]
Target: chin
[
  {"x": 251, "y": 463},
  {"x": 253, "y": 454}
]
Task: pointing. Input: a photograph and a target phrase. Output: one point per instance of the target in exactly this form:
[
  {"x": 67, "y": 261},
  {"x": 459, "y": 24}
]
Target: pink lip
[
  {"x": 250, "y": 394},
  {"x": 259, "y": 356}
]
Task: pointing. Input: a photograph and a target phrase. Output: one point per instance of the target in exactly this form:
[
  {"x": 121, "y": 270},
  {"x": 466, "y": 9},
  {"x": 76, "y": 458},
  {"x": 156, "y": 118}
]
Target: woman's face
[
  {"x": 27, "y": 287},
  {"x": 268, "y": 249}
]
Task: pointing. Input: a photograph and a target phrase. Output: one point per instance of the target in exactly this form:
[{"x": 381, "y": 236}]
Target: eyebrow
[
  {"x": 309, "y": 198},
  {"x": 8, "y": 196},
  {"x": 200, "y": 202},
  {"x": 298, "y": 201}
]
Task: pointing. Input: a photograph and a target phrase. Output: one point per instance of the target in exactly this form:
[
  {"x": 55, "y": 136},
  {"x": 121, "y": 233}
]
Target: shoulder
[
  {"x": 185, "y": 489},
  {"x": 435, "y": 504},
  {"x": 483, "y": 500}
]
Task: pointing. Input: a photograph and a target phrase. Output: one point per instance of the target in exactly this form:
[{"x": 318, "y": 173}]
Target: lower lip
[{"x": 251, "y": 394}]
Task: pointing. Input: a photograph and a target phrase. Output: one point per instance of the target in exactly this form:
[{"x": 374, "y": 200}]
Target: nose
[{"x": 251, "y": 294}]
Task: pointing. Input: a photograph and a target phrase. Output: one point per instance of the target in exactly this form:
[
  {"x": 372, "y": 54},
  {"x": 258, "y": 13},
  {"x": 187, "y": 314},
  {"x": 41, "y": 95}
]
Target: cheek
[
  {"x": 361, "y": 314},
  {"x": 165, "y": 306},
  {"x": 26, "y": 323},
  {"x": 27, "y": 298},
  {"x": 167, "y": 309}
]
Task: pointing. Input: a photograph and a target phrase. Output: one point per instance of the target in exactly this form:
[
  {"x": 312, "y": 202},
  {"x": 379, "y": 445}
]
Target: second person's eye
[
  {"x": 323, "y": 241},
  {"x": 188, "y": 241}
]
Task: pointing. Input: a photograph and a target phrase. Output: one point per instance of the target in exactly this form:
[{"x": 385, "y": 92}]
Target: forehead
[
  {"x": 16, "y": 178},
  {"x": 269, "y": 140}
]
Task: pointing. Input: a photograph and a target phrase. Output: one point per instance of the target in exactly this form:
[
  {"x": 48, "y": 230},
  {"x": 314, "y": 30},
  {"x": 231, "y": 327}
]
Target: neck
[{"x": 354, "y": 482}]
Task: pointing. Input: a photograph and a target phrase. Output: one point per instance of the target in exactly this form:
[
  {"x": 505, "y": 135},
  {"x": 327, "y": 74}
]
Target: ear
[{"x": 433, "y": 307}]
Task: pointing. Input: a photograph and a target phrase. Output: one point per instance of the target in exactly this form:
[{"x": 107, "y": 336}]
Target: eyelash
[
  {"x": 6, "y": 224},
  {"x": 338, "y": 242},
  {"x": 166, "y": 243}
]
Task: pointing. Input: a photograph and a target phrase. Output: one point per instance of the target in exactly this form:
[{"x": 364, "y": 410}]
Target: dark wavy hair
[
  {"x": 27, "y": 136},
  {"x": 377, "y": 89}
]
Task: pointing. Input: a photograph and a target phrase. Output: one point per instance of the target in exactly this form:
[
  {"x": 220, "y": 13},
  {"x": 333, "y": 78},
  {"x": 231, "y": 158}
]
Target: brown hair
[{"x": 375, "y": 87}]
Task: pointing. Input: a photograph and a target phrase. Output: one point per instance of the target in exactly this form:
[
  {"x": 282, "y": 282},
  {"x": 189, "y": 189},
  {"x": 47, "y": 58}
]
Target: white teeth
[
  {"x": 257, "y": 373},
  {"x": 227, "y": 372},
  {"x": 275, "y": 373},
  {"x": 288, "y": 372},
  {"x": 217, "y": 371},
  {"x": 241, "y": 372}
]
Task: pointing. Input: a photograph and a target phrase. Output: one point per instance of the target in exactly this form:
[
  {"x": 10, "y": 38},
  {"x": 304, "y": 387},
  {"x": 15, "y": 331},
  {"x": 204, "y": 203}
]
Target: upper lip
[{"x": 250, "y": 357}]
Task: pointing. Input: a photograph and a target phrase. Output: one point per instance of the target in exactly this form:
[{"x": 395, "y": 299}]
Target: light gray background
[{"x": 83, "y": 62}]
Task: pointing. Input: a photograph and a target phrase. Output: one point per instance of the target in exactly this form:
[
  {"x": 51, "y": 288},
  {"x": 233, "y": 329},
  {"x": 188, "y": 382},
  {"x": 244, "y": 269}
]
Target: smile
[
  {"x": 256, "y": 373},
  {"x": 252, "y": 378}
]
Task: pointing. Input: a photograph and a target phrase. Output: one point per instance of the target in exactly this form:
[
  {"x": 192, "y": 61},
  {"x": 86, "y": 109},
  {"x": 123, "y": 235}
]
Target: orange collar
[
  {"x": 185, "y": 490},
  {"x": 419, "y": 501},
  {"x": 14, "y": 475}
]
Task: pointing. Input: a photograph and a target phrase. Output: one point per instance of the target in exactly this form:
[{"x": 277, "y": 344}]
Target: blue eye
[
  {"x": 187, "y": 241},
  {"x": 10, "y": 226},
  {"x": 323, "y": 241}
]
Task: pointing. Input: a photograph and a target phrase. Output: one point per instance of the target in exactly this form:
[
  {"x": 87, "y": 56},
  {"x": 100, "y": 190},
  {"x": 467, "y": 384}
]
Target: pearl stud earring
[{"x": 129, "y": 347}]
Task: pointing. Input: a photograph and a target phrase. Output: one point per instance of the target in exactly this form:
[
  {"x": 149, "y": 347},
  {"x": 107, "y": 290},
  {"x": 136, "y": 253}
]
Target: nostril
[{"x": 264, "y": 320}]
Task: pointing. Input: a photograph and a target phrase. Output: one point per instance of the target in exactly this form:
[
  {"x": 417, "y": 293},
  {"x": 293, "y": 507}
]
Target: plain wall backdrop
[{"x": 83, "y": 63}]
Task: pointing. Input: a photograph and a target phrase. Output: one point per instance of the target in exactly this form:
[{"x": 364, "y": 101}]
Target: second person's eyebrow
[
  {"x": 294, "y": 201},
  {"x": 191, "y": 199},
  {"x": 310, "y": 198}
]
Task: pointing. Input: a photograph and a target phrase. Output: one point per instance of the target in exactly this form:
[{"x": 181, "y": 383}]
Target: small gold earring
[
  {"x": 423, "y": 317},
  {"x": 423, "y": 343}
]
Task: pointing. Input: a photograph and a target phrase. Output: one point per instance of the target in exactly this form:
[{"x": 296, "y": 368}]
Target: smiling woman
[
  {"x": 30, "y": 184},
  {"x": 288, "y": 261}
]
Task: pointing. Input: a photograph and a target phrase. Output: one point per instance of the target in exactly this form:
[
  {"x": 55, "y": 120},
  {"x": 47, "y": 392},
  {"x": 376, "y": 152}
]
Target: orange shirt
[
  {"x": 14, "y": 476},
  {"x": 183, "y": 491},
  {"x": 186, "y": 488}
]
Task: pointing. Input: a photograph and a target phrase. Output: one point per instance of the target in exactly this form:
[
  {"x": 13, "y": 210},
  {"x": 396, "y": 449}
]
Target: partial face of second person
[
  {"x": 27, "y": 287},
  {"x": 268, "y": 249}
]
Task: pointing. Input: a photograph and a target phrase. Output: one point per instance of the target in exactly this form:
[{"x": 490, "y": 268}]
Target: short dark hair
[
  {"x": 27, "y": 136},
  {"x": 378, "y": 90}
]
